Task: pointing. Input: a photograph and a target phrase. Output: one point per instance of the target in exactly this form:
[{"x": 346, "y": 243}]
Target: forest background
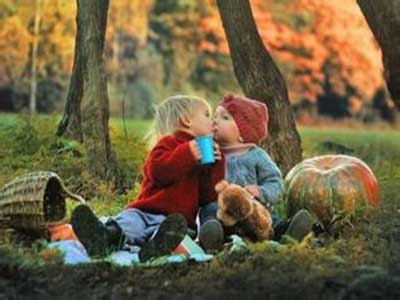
[{"x": 325, "y": 50}]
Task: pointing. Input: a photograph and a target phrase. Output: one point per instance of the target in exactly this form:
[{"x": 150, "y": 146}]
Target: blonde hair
[{"x": 169, "y": 113}]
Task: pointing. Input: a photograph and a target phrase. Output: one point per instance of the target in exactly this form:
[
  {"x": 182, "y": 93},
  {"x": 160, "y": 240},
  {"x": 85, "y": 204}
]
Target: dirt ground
[{"x": 341, "y": 269}]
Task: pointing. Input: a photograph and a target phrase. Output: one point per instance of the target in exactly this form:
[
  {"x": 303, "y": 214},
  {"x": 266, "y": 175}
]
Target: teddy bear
[{"x": 241, "y": 214}]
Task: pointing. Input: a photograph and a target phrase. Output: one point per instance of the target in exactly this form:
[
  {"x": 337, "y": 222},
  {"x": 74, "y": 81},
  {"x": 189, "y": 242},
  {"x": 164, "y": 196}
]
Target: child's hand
[
  {"x": 217, "y": 152},
  {"x": 252, "y": 189},
  {"x": 195, "y": 149}
]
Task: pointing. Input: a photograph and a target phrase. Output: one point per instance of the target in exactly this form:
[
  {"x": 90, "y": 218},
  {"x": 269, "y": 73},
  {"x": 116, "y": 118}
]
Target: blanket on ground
[{"x": 74, "y": 253}]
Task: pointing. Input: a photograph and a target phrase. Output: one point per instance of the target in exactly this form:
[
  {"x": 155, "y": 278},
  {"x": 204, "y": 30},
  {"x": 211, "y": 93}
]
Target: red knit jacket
[{"x": 174, "y": 182}]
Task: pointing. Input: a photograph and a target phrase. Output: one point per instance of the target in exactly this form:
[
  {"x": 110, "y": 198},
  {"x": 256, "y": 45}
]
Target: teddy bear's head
[{"x": 234, "y": 203}]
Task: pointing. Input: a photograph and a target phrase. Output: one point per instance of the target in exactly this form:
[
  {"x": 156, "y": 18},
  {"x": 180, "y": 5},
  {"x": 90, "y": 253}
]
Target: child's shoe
[
  {"x": 300, "y": 225},
  {"x": 97, "y": 238},
  {"x": 211, "y": 235},
  {"x": 169, "y": 235}
]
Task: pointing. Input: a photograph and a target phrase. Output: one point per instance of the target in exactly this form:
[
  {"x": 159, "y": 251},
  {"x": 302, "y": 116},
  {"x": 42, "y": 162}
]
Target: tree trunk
[
  {"x": 383, "y": 18},
  {"x": 87, "y": 109},
  {"x": 70, "y": 124},
  {"x": 260, "y": 79},
  {"x": 36, "y": 28}
]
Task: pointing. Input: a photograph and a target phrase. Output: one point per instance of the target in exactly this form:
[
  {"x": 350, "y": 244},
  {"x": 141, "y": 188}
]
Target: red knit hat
[{"x": 251, "y": 117}]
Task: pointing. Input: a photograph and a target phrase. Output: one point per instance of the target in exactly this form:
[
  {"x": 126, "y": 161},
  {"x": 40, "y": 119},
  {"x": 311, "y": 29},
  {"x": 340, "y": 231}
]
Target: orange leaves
[
  {"x": 14, "y": 48},
  {"x": 313, "y": 41},
  {"x": 211, "y": 26},
  {"x": 55, "y": 40},
  {"x": 130, "y": 17},
  {"x": 351, "y": 46},
  {"x": 318, "y": 40},
  {"x": 341, "y": 40}
]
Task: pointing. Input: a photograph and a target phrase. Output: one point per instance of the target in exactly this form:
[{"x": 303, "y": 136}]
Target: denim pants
[
  {"x": 208, "y": 212},
  {"x": 139, "y": 226}
]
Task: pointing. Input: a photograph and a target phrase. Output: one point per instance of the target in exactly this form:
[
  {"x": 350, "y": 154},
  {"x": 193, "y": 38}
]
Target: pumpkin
[{"x": 331, "y": 187}]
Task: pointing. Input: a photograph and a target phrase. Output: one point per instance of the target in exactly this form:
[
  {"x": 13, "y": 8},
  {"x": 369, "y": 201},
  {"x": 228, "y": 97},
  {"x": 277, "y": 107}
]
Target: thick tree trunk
[
  {"x": 87, "y": 109},
  {"x": 383, "y": 18},
  {"x": 260, "y": 79},
  {"x": 70, "y": 124}
]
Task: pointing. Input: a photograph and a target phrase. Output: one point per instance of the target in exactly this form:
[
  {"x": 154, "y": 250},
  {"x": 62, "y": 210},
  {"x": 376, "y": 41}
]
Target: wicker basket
[{"x": 33, "y": 201}]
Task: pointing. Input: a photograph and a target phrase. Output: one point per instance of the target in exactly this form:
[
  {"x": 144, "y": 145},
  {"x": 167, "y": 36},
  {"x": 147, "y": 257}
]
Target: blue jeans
[
  {"x": 208, "y": 212},
  {"x": 136, "y": 225},
  {"x": 139, "y": 226}
]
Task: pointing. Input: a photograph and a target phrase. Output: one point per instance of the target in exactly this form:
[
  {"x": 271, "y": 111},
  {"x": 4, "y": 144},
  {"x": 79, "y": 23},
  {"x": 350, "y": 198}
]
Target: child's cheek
[{"x": 218, "y": 137}]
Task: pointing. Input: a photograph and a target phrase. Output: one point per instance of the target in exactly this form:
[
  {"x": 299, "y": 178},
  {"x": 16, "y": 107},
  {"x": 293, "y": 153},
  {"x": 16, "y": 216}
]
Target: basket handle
[
  {"x": 72, "y": 195},
  {"x": 76, "y": 197}
]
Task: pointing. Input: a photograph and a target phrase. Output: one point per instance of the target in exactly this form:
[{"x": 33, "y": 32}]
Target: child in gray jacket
[{"x": 240, "y": 125}]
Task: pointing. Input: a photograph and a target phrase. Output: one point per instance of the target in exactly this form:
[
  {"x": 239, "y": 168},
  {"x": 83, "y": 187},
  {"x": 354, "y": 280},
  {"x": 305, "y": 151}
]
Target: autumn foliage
[
  {"x": 320, "y": 47},
  {"x": 315, "y": 43}
]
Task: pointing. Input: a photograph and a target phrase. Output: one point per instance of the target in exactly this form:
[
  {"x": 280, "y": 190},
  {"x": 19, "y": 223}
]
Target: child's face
[
  {"x": 200, "y": 122},
  {"x": 225, "y": 129}
]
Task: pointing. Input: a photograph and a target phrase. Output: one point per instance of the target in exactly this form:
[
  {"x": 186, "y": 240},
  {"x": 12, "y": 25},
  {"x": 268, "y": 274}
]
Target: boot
[
  {"x": 169, "y": 235},
  {"x": 116, "y": 238},
  {"x": 98, "y": 239},
  {"x": 300, "y": 225},
  {"x": 211, "y": 236}
]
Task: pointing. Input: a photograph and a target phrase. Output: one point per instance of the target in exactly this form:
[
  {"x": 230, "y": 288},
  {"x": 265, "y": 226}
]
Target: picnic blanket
[{"x": 74, "y": 253}]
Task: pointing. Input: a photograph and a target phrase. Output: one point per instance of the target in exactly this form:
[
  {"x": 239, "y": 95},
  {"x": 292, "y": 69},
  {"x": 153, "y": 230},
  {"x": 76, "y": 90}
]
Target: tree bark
[
  {"x": 383, "y": 17},
  {"x": 87, "y": 109},
  {"x": 260, "y": 79},
  {"x": 70, "y": 124}
]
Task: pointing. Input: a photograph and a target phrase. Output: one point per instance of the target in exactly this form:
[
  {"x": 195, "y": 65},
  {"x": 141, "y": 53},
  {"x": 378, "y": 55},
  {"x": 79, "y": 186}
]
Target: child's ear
[
  {"x": 185, "y": 121},
  {"x": 240, "y": 139}
]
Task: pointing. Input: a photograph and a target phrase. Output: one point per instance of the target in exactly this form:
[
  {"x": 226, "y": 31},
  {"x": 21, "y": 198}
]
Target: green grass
[{"x": 138, "y": 127}]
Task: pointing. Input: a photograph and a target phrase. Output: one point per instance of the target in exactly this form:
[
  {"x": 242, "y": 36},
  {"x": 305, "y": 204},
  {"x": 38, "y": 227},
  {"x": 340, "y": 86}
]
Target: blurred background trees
[
  {"x": 383, "y": 18},
  {"x": 324, "y": 49}
]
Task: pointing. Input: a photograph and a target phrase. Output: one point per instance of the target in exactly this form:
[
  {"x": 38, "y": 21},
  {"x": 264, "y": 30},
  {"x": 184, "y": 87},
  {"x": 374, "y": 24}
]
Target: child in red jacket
[{"x": 174, "y": 187}]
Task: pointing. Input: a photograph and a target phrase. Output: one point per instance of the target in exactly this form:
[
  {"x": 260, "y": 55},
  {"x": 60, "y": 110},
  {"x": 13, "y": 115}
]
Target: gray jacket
[{"x": 255, "y": 167}]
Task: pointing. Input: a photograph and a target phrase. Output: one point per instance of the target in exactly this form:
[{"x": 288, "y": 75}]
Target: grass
[
  {"x": 314, "y": 269},
  {"x": 138, "y": 127}
]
